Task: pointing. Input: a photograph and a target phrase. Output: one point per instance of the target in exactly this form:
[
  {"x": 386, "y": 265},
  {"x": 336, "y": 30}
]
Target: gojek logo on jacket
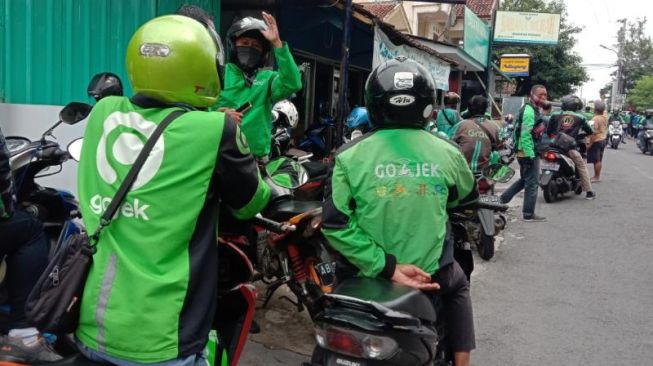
[{"x": 123, "y": 137}]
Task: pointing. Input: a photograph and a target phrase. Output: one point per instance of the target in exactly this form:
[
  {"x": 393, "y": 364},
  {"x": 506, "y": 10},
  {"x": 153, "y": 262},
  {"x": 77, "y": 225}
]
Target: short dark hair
[
  {"x": 478, "y": 105},
  {"x": 195, "y": 12},
  {"x": 537, "y": 86}
]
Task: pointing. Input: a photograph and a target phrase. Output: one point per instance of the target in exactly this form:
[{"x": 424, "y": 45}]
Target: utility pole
[{"x": 620, "y": 55}]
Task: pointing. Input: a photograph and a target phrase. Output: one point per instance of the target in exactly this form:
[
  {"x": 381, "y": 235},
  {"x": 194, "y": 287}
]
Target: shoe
[
  {"x": 535, "y": 218},
  {"x": 14, "y": 349},
  {"x": 590, "y": 195}
]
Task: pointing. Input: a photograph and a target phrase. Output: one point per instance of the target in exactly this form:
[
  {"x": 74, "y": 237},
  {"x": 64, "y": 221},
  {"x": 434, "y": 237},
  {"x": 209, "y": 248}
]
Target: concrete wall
[{"x": 31, "y": 121}]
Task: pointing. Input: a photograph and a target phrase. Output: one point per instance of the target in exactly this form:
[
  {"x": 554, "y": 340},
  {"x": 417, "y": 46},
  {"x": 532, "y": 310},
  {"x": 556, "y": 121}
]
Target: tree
[
  {"x": 558, "y": 67},
  {"x": 637, "y": 52},
  {"x": 641, "y": 95}
]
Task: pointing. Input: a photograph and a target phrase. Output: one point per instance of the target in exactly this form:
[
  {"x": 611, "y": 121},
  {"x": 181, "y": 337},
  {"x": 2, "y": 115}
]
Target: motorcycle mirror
[
  {"x": 74, "y": 112},
  {"x": 75, "y": 149},
  {"x": 499, "y": 173},
  {"x": 286, "y": 173}
]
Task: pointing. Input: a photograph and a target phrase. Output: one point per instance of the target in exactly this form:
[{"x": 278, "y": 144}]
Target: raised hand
[{"x": 272, "y": 33}]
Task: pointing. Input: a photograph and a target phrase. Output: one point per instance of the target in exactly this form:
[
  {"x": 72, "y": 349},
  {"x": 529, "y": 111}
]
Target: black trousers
[{"x": 25, "y": 246}]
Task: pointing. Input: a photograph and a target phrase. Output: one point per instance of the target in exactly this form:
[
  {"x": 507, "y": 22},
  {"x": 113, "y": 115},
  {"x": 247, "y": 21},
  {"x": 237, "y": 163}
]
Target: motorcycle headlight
[
  {"x": 356, "y": 344},
  {"x": 649, "y": 134}
]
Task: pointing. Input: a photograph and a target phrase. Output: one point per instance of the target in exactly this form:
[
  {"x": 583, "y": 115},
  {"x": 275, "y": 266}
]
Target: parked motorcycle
[
  {"x": 375, "y": 322},
  {"x": 558, "y": 172},
  {"x": 294, "y": 251},
  {"x": 615, "y": 134},
  {"x": 479, "y": 227}
]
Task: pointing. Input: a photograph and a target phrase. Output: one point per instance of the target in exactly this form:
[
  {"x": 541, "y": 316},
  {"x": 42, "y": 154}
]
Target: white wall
[{"x": 31, "y": 121}]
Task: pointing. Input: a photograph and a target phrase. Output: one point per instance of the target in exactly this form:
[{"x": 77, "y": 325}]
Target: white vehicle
[{"x": 615, "y": 134}]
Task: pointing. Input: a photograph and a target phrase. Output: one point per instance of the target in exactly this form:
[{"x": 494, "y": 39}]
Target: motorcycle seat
[
  {"x": 315, "y": 169},
  {"x": 283, "y": 210},
  {"x": 390, "y": 295}
]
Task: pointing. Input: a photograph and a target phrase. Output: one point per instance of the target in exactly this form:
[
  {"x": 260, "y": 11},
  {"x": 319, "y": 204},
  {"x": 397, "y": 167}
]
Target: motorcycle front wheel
[
  {"x": 549, "y": 193},
  {"x": 486, "y": 247}
]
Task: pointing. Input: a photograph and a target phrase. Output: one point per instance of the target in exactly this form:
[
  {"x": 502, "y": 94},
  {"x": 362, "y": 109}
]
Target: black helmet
[
  {"x": 451, "y": 99},
  {"x": 400, "y": 93},
  {"x": 248, "y": 27},
  {"x": 103, "y": 85},
  {"x": 571, "y": 103}
]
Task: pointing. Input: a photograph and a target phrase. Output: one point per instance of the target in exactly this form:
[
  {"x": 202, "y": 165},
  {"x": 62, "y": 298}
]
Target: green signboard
[{"x": 476, "y": 38}]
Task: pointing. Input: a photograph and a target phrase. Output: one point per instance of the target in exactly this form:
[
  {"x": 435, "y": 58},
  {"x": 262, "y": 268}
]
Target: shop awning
[{"x": 464, "y": 61}]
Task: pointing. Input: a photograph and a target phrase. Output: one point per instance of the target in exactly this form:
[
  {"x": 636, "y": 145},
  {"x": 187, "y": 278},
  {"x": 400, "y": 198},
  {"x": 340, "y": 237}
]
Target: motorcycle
[
  {"x": 615, "y": 134},
  {"x": 558, "y": 172},
  {"x": 374, "y": 322},
  {"x": 292, "y": 250},
  {"x": 480, "y": 226},
  {"x": 57, "y": 209},
  {"x": 645, "y": 139}
]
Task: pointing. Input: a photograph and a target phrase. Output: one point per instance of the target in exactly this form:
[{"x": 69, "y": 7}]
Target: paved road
[{"x": 576, "y": 290}]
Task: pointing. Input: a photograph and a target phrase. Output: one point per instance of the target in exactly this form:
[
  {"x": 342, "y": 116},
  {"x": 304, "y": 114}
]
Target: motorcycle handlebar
[
  {"x": 54, "y": 153},
  {"x": 277, "y": 227}
]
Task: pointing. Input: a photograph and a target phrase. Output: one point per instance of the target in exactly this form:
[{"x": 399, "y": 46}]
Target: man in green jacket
[
  {"x": 448, "y": 117},
  {"x": 477, "y": 136},
  {"x": 529, "y": 162},
  {"x": 387, "y": 199},
  {"x": 249, "y": 42},
  {"x": 150, "y": 295}
]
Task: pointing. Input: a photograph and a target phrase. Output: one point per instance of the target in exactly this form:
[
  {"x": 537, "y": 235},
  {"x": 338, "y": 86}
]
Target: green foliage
[
  {"x": 637, "y": 52},
  {"x": 641, "y": 95},
  {"x": 558, "y": 67}
]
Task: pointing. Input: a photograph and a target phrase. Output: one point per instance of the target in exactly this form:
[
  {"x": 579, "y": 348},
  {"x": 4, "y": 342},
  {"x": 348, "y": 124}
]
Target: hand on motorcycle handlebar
[{"x": 410, "y": 275}]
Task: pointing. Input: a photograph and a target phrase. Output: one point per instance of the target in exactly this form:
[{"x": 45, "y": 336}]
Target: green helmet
[{"x": 175, "y": 59}]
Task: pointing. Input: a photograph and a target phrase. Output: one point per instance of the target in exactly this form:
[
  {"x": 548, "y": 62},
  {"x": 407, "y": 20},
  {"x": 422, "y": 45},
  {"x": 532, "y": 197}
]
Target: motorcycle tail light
[
  {"x": 551, "y": 156},
  {"x": 356, "y": 344},
  {"x": 484, "y": 185}
]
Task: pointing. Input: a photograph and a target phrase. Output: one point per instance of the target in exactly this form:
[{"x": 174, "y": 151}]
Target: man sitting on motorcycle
[
  {"x": 249, "y": 41},
  {"x": 570, "y": 122},
  {"x": 150, "y": 296},
  {"x": 25, "y": 248},
  {"x": 388, "y": 194},
  {"x": 477, "y": 137},
  {"x": 646, "y": 124}
]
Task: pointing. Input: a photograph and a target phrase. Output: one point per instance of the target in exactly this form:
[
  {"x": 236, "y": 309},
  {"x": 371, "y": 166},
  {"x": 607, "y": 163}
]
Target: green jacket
[
  {"x": 150, "y": 294},
  {"x": 447, "y": 118},
  {"x": 268, "y": 87},
  {"x": 387, "y": 198},
  {"x": 476, "y": 142},
  {"x": 524, "y": 126}
]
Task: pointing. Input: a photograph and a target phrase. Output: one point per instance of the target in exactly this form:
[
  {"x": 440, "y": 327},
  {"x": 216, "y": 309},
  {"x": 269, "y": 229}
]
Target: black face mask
[{"x": 249, "y": 58}]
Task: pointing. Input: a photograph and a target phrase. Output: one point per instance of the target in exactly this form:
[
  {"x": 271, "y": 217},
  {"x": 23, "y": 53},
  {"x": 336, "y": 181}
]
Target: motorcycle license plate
[
  {"x": 327, "y": 273},
  {"x": 550, "y": 166},
  {"x": 489, "y": 199}
]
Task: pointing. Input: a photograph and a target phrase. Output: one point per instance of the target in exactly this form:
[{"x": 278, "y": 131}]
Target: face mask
[{"x": 249, "y": 58}]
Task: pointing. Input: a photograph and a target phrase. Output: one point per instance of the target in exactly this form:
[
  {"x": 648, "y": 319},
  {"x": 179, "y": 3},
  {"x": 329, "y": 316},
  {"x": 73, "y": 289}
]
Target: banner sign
[
  {"x": 525, "y": 27},
  {"x": 384, "y": 49},
  {"x": 476, "y": 37},
  {"x": 515, "y": 65}
]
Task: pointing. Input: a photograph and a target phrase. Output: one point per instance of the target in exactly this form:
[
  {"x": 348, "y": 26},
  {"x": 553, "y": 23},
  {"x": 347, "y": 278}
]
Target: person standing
[
  {"x": 529, "y": 165},
  {"x": 249, "y": 42},
  {"x": 597, "y": 140},
  {"x": 448, "y": 117}
]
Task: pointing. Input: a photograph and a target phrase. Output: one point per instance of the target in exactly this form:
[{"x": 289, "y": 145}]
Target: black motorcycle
[
  {"x": 558, "y": 172},
  {"x": 374, "y": 322}
]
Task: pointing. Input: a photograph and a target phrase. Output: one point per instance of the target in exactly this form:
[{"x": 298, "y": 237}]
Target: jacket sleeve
[
  {"x": 526, "y": 144},
  {"x": 6, "y": 182},
  {"x": 287, "y": 80},
  {"x": 585, "y": 126},
  {"x": 341, "y": 228},
  {"x": 239, "y": 182},
  {"x": 463, "y": 193}
]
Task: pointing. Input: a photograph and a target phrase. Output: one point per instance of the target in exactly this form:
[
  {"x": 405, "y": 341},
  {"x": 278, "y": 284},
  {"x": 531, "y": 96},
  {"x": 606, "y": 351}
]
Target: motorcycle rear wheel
[
  {"x": 549, "y": 193},
  {"x": 486, "y": 247}
]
